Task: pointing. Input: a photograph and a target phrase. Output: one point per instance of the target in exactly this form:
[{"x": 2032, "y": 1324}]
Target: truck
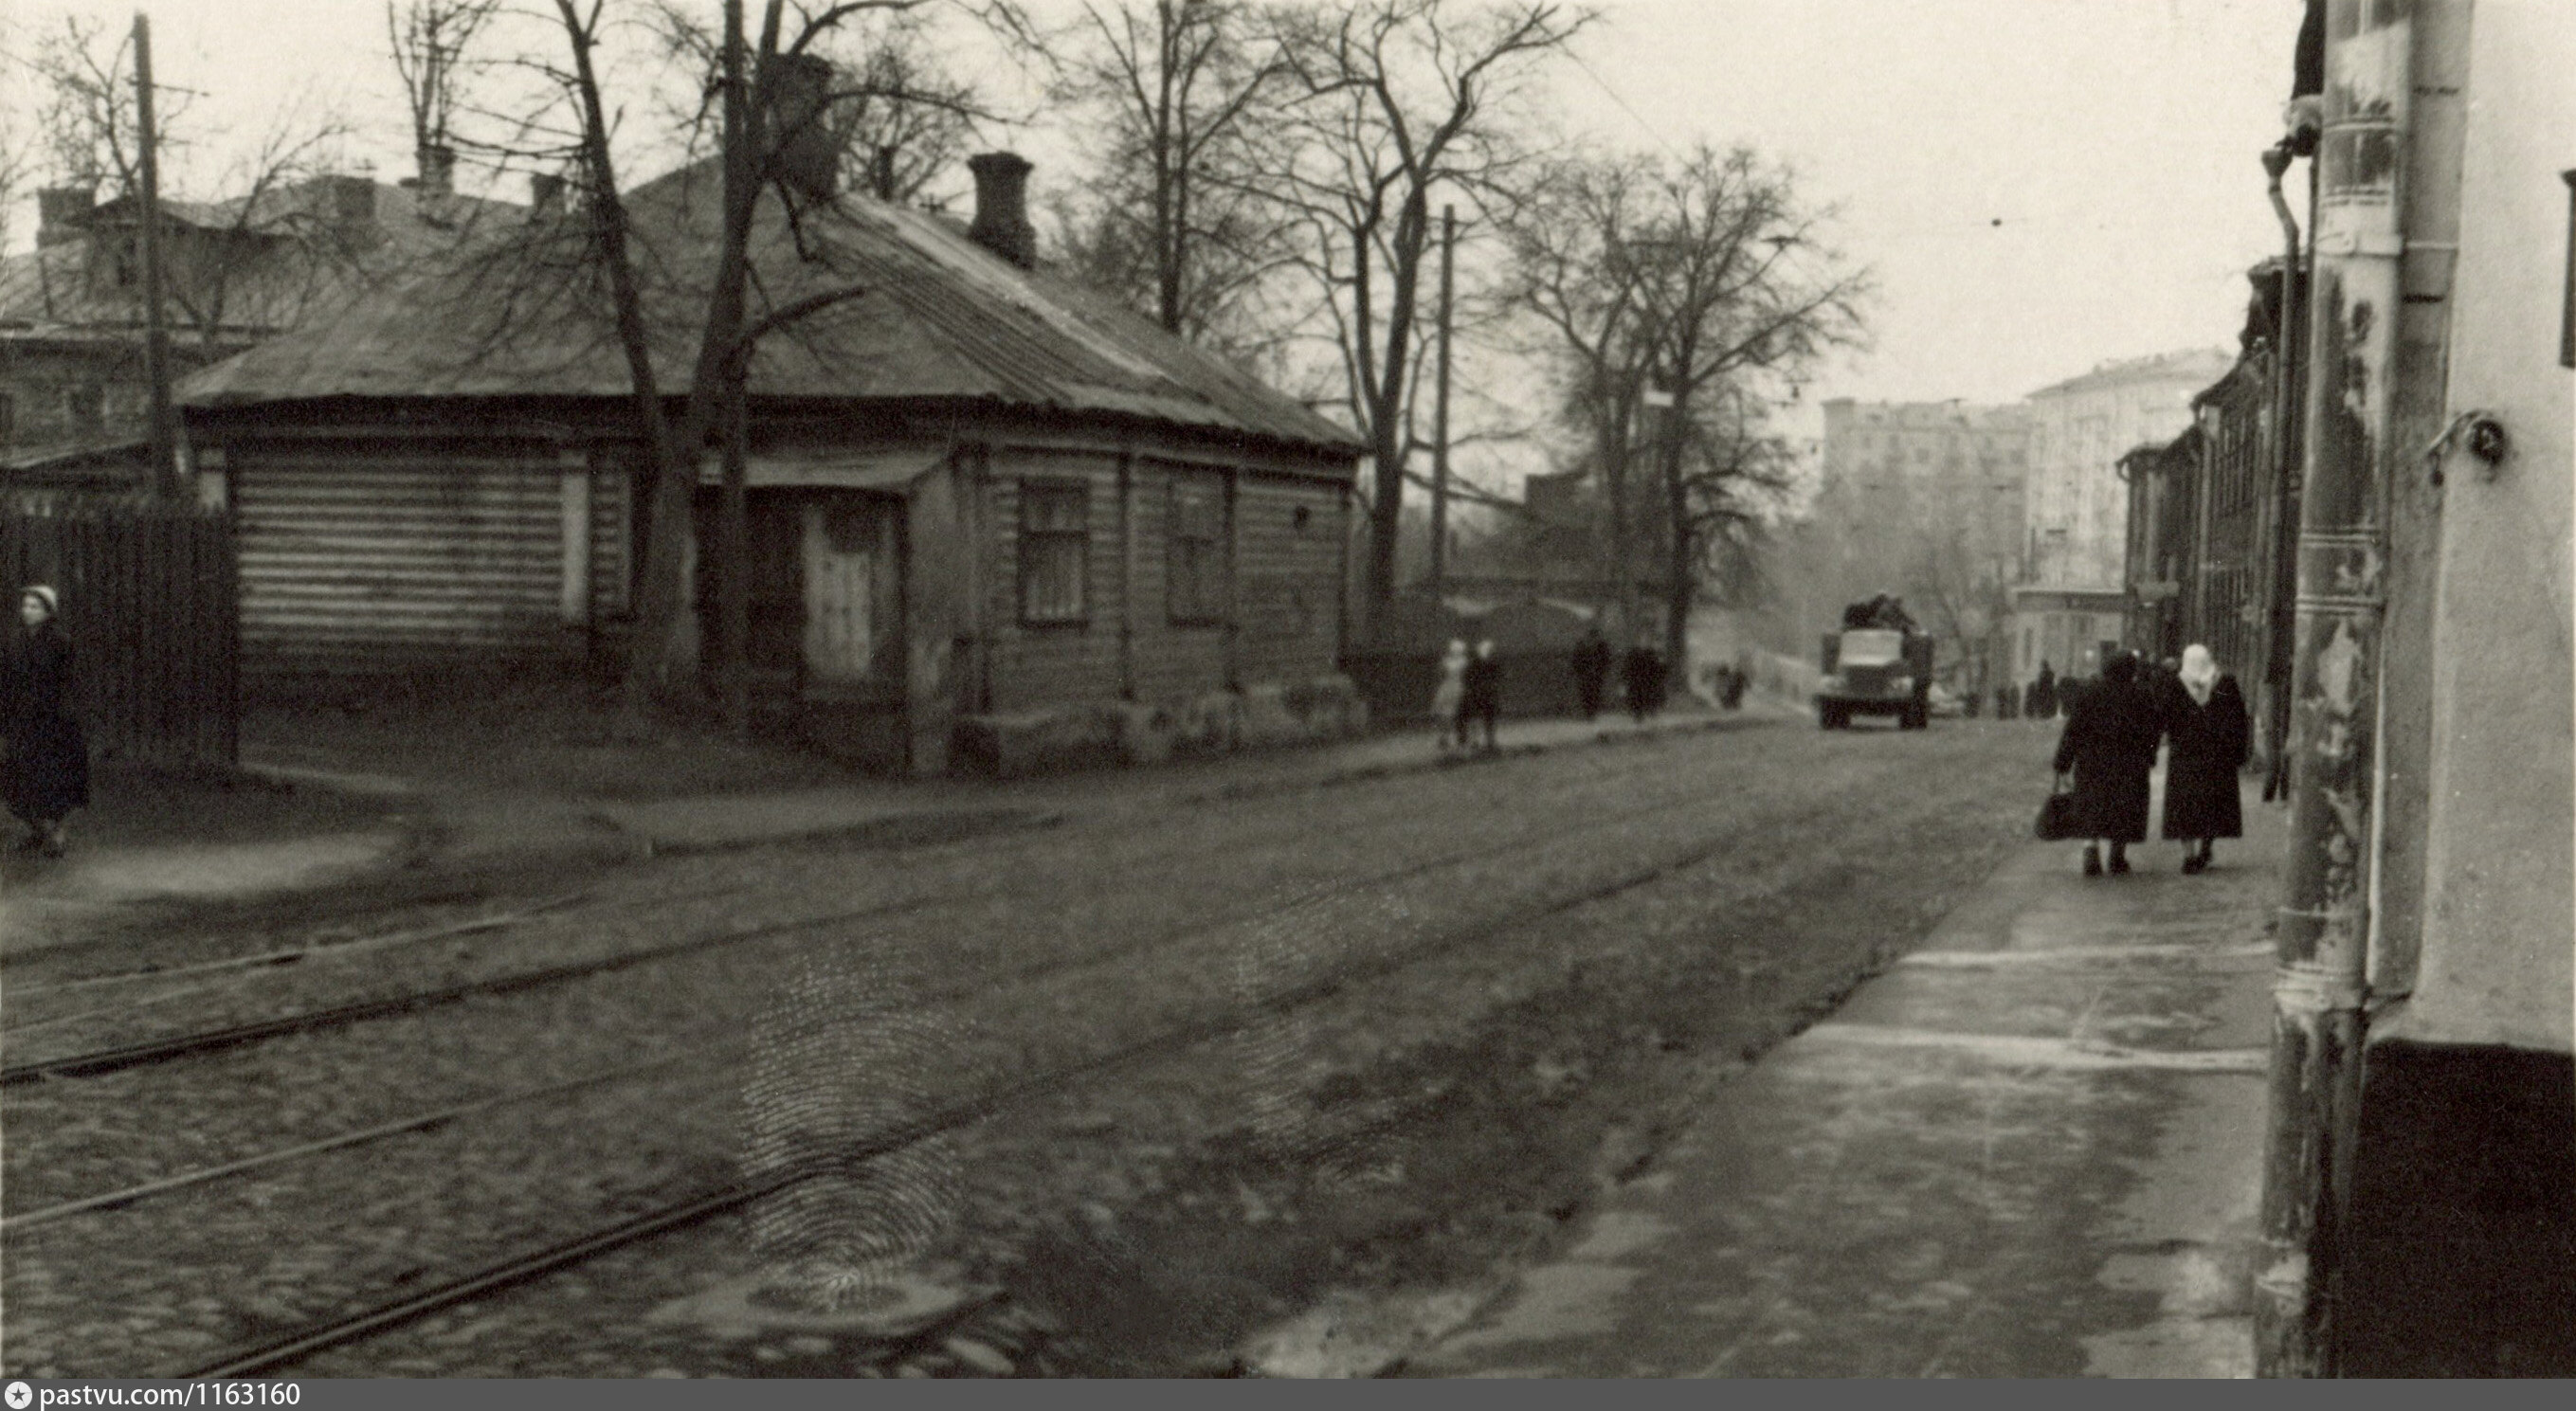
[{"x": 1875, "y": 670}]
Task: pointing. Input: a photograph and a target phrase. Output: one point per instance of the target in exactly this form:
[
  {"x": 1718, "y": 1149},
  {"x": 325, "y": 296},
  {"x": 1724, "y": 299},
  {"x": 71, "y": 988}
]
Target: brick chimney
[
  {"x": 437, "y": 170},
  {"x": 347, "y": 202},
  {"x": 62, "y": 213},
  {"x": 1002, "y": 207},
  {"x": 805, "y": 156},
  {"x": 545, "y": 195}
]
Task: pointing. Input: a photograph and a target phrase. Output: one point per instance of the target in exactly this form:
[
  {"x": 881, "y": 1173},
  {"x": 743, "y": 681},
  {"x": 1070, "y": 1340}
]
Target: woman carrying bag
[{"x": 2109, "y": 746}]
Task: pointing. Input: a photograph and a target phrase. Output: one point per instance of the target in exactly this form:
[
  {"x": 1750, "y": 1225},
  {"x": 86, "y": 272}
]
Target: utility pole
[
  {"x": 1440, "y": 410},
  {"x": 733, "y": 536},
  {"x": 156, "y": 337}
]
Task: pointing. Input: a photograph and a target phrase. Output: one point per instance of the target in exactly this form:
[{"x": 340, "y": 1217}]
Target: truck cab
[{"x": 1875, "y": 671}]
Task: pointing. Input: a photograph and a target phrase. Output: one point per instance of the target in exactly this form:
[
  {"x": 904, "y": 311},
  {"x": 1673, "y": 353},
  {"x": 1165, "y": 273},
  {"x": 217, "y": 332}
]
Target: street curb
[{"x": 1228, "y": 793}]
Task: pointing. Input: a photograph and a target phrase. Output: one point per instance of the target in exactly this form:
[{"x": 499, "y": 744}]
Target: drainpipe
[
  {"x": 2323, "y": 934},
  {"x": 2285, "y": 483}
]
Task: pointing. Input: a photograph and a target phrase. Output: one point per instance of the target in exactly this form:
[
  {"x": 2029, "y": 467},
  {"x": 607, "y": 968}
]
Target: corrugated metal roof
[{"x": 939, "y": 318}]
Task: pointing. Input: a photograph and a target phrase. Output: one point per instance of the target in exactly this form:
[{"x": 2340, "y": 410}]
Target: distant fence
[{"x": 151, "y": 601}]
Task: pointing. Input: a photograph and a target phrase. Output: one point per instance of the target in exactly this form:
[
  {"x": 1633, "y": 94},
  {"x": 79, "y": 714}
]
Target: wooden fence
[{"x": 151, "y": 601}]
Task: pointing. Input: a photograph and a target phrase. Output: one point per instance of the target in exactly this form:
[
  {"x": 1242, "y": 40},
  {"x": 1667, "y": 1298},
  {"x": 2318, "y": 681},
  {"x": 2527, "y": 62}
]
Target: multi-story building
[
  {"x": 2072, "y": 604},
  {"x": 1922, "y": 500},
  {"x": 74, "y": 395}
]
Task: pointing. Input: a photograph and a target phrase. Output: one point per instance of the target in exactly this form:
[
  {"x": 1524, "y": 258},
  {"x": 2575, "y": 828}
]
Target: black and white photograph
[{"x": 818, "y": 690}]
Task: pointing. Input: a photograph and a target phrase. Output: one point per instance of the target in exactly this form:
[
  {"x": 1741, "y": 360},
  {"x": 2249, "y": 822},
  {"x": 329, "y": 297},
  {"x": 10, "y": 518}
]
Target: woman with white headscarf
[
  {"x": 1450, "y": 696},
  {"x": 46, "y": 773},
  {"x": 2211, "y": 738}
]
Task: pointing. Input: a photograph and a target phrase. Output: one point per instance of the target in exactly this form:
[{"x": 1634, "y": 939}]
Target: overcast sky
[{"x": 2039, "y": 184}]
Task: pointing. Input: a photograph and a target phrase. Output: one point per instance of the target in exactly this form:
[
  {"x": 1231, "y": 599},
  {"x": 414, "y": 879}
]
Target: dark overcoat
[
  {"x": 46, "y": 772},
  {"x": 1481, "y": 695},
  {"x": 2110, "y": 744},
  {"x": 2210, "y": 745}
]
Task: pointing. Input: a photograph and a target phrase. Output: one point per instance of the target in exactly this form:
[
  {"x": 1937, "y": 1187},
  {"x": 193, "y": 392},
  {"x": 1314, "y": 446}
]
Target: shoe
[
  {"x": 2119, "y": 863},
  {"x": 2092, "y": 861},
  {"x": 2193, "y": 863}
]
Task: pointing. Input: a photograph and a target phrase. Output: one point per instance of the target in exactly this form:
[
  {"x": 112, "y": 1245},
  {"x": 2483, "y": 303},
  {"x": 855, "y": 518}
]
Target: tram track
[
  {"x": 538, "y": 1261},
  {"x": 167, "y": 1048}
]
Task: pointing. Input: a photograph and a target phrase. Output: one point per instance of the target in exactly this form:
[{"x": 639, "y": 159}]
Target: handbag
[{"x": 2057, "y": 822}]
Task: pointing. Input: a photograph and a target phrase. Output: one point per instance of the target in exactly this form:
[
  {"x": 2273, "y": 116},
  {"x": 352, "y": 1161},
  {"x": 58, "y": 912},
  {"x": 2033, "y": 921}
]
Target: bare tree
[
  {"x": 755, "y": 157},
  {"x": 1575, "y": 272},
  {"x": 431, "y": 40},
  {"x": 259, "y": 258},
  {"x": 1689, "y": 287},
  {"x": 1398, "y": 99},
  {"x": 1185, "y": 95},
  {"x": 85, "y": 115},
  {"x": 896, "y": 114}
]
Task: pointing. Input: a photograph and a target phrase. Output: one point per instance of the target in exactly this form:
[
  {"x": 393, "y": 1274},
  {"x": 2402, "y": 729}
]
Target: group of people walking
[
  {"x": 2108, "y": 751},
  {"x": 44, "y": 758},
  {"x": 1468, "y": 701}
]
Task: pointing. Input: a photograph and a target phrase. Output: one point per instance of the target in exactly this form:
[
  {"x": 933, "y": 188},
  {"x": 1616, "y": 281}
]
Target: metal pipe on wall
[{"x": 2323, "y": 935}]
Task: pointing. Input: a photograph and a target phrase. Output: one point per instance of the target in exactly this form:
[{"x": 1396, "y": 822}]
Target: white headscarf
[{"x": 2199, "y": 672}]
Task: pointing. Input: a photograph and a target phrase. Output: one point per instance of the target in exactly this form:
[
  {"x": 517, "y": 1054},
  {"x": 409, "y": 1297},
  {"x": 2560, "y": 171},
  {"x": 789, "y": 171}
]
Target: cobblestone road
[{"x": 1363, "y": 1035}]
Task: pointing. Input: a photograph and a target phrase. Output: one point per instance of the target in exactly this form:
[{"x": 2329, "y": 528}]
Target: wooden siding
[
  {"x": 1288, "y": 579},
  {"x": 1281, "y": 614},
  {"x": 356, "y": 562},
  {"x": 1037, "y": 665}
]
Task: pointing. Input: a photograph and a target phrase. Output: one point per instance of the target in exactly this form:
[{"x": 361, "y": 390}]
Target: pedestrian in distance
[
  {"x": 2109, "y": 745},
  {"x": 1450, "y": 695},
  {"x": 2043, "y": 693},
  {"x": 45, "y": 773},
  {"x": 1481, "y": 701},
  {"x": 1731, "y": 687},
  {"x": 2212, "y": 736},
  {"x": 1591, "y": 669},
  {"x": 1642, "y": 674}
]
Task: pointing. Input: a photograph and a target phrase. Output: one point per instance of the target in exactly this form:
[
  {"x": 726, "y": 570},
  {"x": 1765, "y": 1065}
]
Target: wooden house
[{"x": 993, "y": 514}]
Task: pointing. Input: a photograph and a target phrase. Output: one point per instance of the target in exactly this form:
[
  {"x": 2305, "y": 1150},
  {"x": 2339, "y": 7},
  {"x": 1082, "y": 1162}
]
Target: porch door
[{"x": 853, "y": 630}]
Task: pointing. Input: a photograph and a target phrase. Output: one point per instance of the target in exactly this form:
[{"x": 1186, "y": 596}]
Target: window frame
[
  {"x": 1036, "y": 536},
  {"x": 1209, "y": 606}
]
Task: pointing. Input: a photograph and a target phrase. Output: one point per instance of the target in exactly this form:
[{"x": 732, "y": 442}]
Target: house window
[
  {"x": 1055, "y": 549},
  {"x": 1196, "y": 566},
  {"x": 85, "y": 407}
]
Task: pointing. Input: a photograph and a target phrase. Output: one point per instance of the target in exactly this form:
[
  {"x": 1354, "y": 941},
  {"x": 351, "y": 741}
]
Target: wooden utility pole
[
  {"x": 1440, "y": 410},
  {"x": 733, "y": 529},
  {"x": 156, "y": 337}
]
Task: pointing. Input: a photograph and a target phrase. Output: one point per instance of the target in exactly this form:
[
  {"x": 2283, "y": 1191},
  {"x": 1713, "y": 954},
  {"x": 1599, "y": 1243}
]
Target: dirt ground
[{"x": 500, "y": 735}]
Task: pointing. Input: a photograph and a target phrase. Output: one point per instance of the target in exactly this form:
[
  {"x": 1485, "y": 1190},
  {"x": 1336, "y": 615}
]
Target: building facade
[
  {"x": 2072, "y": 604},
  {"x": 993, "y": 516},
  {"x": 1923, "y": 500},
  {"x": 75, "y": 397},
  {"x": 2418, "y": 1210}
]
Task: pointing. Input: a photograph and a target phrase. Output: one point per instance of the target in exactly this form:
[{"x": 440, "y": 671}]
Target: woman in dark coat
[
  {"x": 2212, "y": 736},
  {"x": 1481, "y": 694},
  {"x": 2110, "y": 745},
  {"x": 46, "y": 774}
]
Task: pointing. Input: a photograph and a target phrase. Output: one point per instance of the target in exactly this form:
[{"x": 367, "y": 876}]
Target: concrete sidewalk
[
  {"x": 2032, "y": 1148},
  {"x": 441, "y": 836}
]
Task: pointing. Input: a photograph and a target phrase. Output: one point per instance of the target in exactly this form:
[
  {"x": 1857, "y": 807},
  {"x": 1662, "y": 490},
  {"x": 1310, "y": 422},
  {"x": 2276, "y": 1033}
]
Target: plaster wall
[{"x": 2500, "y": 921}]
